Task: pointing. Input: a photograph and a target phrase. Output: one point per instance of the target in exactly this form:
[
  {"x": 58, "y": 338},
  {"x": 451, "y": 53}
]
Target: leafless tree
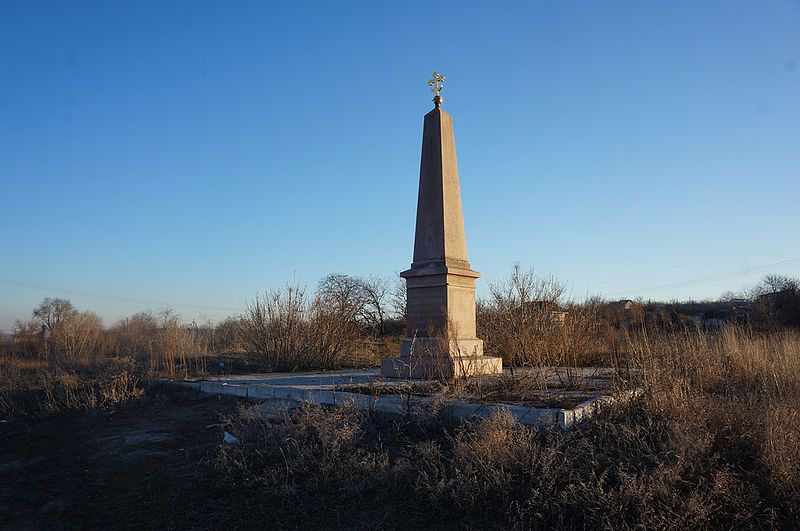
[
  {"x": 343, "y": 292},
  {"x": 365, "y": 299},
  {"x": 776, "y": 283},
  {"x": 27, "y": 339},
  {"x": 51, "y": 312},
  {"x": 375, "y": 293},
  {"x": 70, "y": 333},
  {"x": 399, "y": 299}
]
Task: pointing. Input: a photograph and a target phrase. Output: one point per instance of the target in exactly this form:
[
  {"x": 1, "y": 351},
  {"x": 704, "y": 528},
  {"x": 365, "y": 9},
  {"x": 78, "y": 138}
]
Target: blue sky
[{"x": 195, "y": 153}]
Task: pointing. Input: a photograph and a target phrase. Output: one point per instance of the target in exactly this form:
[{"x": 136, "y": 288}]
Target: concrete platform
[
  {"x": 422, "y": 367},
  {"x": 290, "y": 389}
]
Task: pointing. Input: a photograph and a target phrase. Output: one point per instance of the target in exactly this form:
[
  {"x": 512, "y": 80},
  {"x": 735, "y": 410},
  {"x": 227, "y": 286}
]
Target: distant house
[
  {"x": 624, "y": 313},
  {"x": 783, "y": 306},
  {"x": 777, "y": 297},
  {"x": 623, "y": 305}
]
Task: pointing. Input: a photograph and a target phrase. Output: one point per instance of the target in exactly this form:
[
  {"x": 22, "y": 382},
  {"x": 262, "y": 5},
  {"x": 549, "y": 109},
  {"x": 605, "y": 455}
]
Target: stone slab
[{"x": 288, "y": 390}]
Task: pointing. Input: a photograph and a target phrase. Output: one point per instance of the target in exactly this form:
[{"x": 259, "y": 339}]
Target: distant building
[
  {"x": 782, "y": 306},
  {"x": 624, "y": 313},
  {"x": 777, "y": 297},
  {"x": 623, "y": 305}
]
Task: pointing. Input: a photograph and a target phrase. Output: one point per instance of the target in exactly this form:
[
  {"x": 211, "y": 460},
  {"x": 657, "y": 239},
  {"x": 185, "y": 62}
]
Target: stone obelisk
[{"x": 440, "y": 338}]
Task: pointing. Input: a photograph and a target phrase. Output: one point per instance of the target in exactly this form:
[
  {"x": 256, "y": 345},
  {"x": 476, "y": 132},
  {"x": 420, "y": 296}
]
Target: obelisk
[{"x": 440, "y": 338}]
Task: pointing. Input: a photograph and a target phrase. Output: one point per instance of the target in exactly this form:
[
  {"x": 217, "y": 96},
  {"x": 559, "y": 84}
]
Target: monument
[{"x": 441, "y": 339}]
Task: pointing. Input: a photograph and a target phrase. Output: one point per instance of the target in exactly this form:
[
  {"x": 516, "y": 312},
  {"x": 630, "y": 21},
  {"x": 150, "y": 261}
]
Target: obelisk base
[{"x": 428, "y": 358}]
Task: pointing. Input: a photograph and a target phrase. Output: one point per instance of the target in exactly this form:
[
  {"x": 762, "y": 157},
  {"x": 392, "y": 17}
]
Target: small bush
[
  {"x": 70, "y": 391},
  {"x": 289, "y": 331},
  {"x": 528, "y": 321},
  {"x": 633, "y": 467}
]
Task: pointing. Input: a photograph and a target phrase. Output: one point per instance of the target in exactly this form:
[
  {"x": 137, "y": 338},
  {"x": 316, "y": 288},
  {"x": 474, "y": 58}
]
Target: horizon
[{"x": 192, "y": 156}]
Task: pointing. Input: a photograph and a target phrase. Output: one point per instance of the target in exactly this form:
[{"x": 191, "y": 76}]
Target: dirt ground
[{"x": 141, "y": 466}]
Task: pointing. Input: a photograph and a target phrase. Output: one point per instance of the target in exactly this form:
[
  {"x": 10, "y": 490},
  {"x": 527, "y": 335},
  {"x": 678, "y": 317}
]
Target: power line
[
  {"x": 685, "y": 283},
  {"x": 714, "y": 278},
  {"x": 32, "y": 285}
]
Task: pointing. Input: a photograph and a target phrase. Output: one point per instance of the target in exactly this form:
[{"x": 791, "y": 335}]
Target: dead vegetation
[
  {"x": 36, "y": 388},
  {"x": 714, "y": 442},
  {"x": 290, "y": 331},
  {"x": 530, "y": 322}
]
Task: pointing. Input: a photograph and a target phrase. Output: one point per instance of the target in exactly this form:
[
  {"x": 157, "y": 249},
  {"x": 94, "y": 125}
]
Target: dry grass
[
  {"x": 70, "y": 391},
  {"x": 733, "y": 362},
  {"x": 31, "y": 387},
  {"x": 714, "y": 442},
  {"x": 530, "y": 322}
]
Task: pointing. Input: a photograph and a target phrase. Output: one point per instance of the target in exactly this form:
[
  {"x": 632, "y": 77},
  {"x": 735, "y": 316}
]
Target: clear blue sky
[{"x": 194, "y": 153}]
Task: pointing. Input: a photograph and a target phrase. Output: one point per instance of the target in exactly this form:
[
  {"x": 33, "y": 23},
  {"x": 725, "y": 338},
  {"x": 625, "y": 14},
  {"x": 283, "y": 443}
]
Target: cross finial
[{"x": 436, "y": 87}]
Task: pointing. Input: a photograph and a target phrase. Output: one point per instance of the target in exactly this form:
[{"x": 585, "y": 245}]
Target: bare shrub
[
  {"x": 290, "y": 331},
  {"x": 160, "y": 342},
  {"x": 714, "y": 442},
  {"x": 398, "y": 299},
  {"x": 628, "y": 468},
  {"x": 27, "y": 340},
  {"x": 134, "y": 336},
  {"x": 69, "y": 334},
  {"x": 529, "y": 322},
  {"x": 228, "y": 336},
  {"x": 318, "y": 450},
  {"x": 64, "y": 390}
]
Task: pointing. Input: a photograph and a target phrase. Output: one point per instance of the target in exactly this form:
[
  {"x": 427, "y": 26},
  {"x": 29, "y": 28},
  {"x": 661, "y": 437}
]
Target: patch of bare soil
[{"x": 139, "y": 466}]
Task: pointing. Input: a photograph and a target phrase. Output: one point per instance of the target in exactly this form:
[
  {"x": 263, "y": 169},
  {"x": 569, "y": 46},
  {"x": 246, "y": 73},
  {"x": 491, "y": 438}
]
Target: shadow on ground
[{"x": 138, "y": 466}]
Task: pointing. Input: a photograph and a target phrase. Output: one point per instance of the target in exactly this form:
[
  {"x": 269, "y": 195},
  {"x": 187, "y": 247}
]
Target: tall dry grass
[
  {"x": 713, "y": 442},
  {"x": 731, "y": 362},
  {"x": 161, "y": 344},
  {"x": 741, "y": 386},
  {"x": 30, "y": 387}
]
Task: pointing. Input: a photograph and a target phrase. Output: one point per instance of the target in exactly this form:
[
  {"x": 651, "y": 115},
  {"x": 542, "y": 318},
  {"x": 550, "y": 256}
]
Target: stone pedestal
[{"x": 441, "y": 339}]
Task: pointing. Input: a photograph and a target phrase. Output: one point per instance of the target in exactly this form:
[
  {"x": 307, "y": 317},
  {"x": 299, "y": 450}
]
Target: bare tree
[
  {"x": 374, "y": 293},
  {"x": 70, "y": 333},
  {"x": 27, "y": 339},
  {"x": 777, "y": 302},
  {"x": 365, "y": 299},
  {"x": 399, "y": 299},
  {"x": 775, "y": 283},
  {"x": 344, "y": 292},
  {"x": 51, "y": 312}
]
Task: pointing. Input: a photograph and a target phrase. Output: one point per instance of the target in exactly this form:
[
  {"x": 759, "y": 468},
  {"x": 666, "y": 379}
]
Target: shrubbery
[{"x": 713, "y": 442}]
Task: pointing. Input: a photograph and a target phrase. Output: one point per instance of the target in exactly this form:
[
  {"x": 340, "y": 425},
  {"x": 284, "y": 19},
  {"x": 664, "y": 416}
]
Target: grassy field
[{"x": 713, "y": 442}]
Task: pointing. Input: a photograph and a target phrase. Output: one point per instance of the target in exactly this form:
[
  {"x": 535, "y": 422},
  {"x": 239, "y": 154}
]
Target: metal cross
[{"x": 436, "y": 87}]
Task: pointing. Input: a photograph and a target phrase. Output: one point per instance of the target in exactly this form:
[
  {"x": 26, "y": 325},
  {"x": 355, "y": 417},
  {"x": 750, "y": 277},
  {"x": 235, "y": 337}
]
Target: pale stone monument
[{"x": 440, "y": 337}]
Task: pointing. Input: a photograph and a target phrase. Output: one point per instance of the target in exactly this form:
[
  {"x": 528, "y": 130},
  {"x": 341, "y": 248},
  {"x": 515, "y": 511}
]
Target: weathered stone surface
[
  {"x": 441, "y": 283},
  {"x": 447, "y": 366}
]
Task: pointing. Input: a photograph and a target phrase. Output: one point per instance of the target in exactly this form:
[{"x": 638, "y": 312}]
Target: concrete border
[{"x": 542, "y": 417}]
